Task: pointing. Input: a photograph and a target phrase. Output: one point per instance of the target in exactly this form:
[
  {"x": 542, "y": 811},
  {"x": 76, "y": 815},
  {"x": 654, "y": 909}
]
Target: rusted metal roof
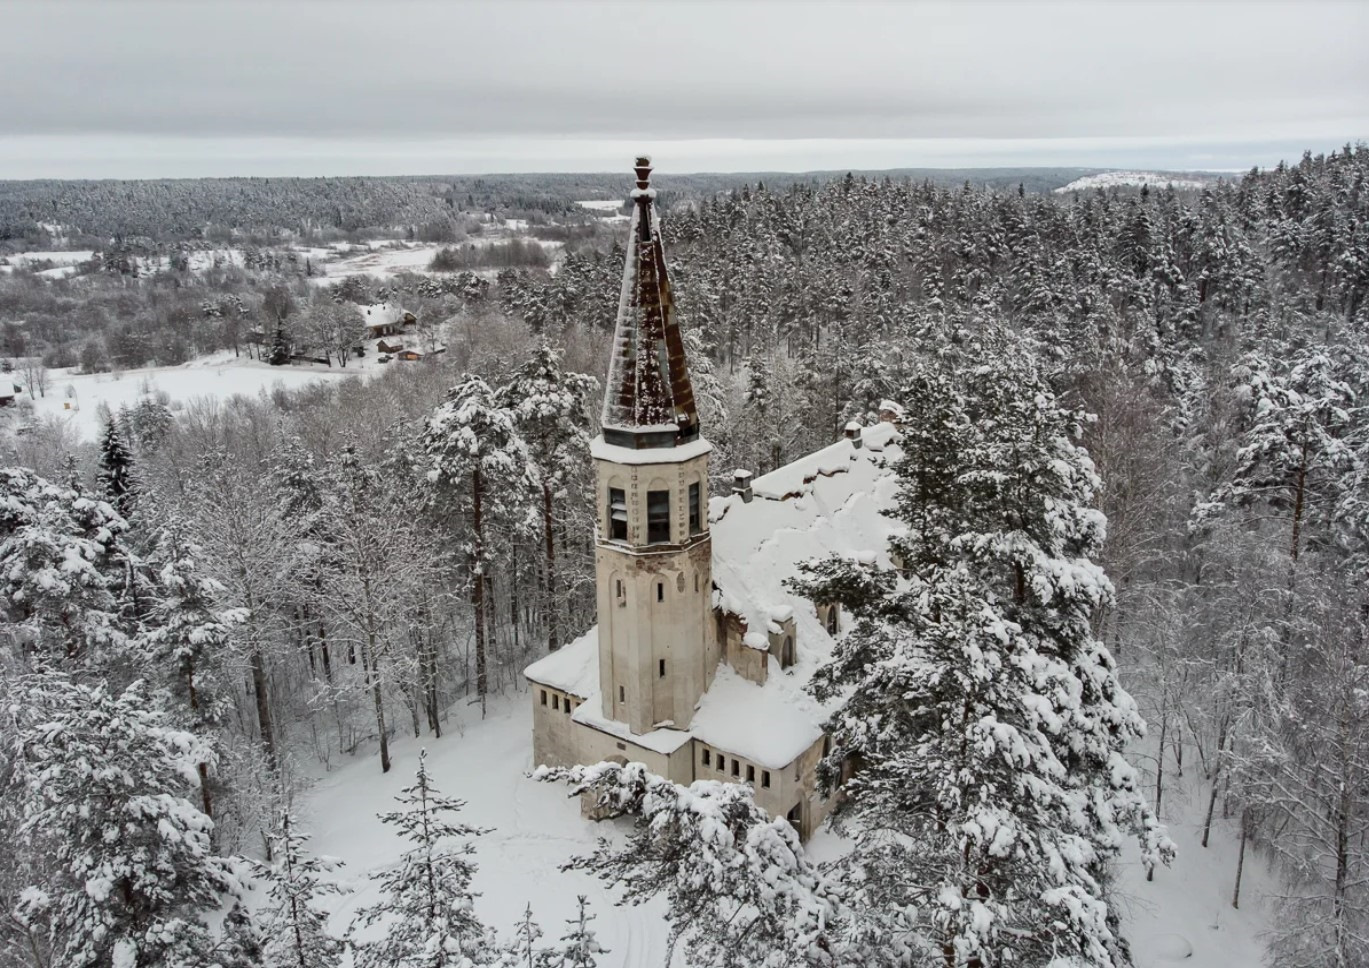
[{"x": 648, "y": 400}]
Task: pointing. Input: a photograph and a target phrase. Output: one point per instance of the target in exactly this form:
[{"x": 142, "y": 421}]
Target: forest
[{"x": 261, "y": 588}]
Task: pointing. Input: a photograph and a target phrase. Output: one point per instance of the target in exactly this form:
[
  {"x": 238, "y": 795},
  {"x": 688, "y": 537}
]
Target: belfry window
[
  {"x": 617, "y": 514},
  {"x": 658, "y": 517},
  {"x": 695, "y": 509}
]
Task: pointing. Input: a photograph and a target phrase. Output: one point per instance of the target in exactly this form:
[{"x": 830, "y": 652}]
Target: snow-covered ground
[
  {"x": 62, "y": 259},
  {"x": 1184, "y": 916},
  {"x": 76, "y": 397},
  {"x": 1135, "y": 179},
  {"x": 536, "y": 828}
]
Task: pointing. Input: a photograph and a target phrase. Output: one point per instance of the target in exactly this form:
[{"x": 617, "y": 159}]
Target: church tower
[{"x": 658, "y": 649}]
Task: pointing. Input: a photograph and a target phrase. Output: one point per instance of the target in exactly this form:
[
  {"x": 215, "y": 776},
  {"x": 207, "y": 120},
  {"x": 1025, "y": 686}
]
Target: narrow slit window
[
  {"x": 565, "y": 707},
  {"x": 765, "y": 778},
  {"x": 555, "y": 702},
  {"x": 661, "y": 669},
  {"x": 544, "y": 697},
  {"x": 722, "y": 762},
  {"x": 695, "y": 508},
  {"x": 658, "y": 517},
  {"x": 660, "y": 591},
  {"x": 622, "y": 694},
  {"x": 750, "y": 773},
  {"x": 708, "y": 760},
  {"x": 617, "y": 514},
  {"x": 736, "y": 768}
]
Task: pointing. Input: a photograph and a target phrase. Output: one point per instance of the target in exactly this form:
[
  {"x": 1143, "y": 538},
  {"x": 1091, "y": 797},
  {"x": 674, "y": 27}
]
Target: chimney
[
  {"x": 741, "y": 484},
  {"x": 853, "y": 433}
]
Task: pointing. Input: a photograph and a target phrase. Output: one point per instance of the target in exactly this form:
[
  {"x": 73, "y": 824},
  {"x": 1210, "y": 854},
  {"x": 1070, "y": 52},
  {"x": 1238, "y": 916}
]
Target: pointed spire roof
[{"x": 648, "y": 401}]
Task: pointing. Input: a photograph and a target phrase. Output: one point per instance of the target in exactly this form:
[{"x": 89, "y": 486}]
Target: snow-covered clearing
[
  {"x": 536, "y": 828},
  {"x": 1184, "y": 916},
  {"x": 76, "y": 397},
  {"x": 602, "y": 205},
  {"x": 1135, "y": 179}
]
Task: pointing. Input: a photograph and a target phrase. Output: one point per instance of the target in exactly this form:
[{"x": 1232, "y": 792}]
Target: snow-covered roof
[
  {"x": 573, "y": 668},
  {"x": 829, "y": 502},
  {"x": 832, "y": 501},
  {"x": 382, "y": 314}
]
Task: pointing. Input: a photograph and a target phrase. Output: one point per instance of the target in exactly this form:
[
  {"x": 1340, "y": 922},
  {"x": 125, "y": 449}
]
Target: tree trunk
[
  {"x": 259, "y": 687},
  {"x": 1240, "y": 858},
  {"x": 478, "y": 585},
  {"x": 370, "y": 666},
  {"x": 1216, "y": 780}
]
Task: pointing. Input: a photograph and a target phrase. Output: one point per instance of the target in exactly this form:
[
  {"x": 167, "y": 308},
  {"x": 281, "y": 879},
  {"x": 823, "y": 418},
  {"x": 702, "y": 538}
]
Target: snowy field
[
  {"x": 601, "y": 205},
  {"x": 76, "y": 397},
  {"x": 1183, "y": 917},
  {"x": 536, "y": 828}
]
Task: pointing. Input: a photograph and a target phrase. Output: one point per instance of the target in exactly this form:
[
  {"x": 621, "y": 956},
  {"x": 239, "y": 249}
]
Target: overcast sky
[{"x": 126, "y": 88}]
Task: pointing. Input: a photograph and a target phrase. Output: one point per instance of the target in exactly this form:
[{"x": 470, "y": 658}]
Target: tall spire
[{"x": 649, "y": 401}]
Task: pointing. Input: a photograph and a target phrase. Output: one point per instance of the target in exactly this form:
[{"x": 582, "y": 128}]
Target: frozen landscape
[{"x": 675, "y": 485}]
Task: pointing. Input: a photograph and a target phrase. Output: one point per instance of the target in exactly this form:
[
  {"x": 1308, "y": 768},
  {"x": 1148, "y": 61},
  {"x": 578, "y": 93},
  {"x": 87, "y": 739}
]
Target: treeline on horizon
[{"x": 216, "y": 209}]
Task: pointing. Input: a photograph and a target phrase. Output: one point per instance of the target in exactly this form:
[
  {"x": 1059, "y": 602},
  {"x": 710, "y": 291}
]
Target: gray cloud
[{"x": 189, "y": 73}]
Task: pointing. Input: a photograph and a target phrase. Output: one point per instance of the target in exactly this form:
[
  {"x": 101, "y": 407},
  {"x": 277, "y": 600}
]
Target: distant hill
[{"x": 1136, "y": 179}]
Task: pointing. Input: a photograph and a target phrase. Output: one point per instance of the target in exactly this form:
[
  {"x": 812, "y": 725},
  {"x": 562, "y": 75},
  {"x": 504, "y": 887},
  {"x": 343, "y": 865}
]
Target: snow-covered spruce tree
[
  {"x": 59, "y": 581},
  {"x": 116, "y": 478},
  {"x": 293, "y": 932},
  {"x": 280, "y": 347},
  {"x": 477, "y": 460},
  {"x": 104, "y": 781},
  {"x": 550, "y": 410},
  {"x": 579, "y": 947},
  {"x": 740, "y": 891},
  {"x": 426, "y": 918},
  {"x": 985, "y": 723}
]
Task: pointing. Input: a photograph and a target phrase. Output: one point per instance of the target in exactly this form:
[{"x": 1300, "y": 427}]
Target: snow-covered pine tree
[
  {"x": 985, "y": 721},
  {"x": 579, "y": 947},
  {"x": 740, "y": 891},
  {"x": 188, "y": 635},
  {"x": 550, "y": 410},
  {"x": 104, "y": 782},
  {"x": 116, "y": 476},
  {"x": 522, "y": 950},
  {"x": 477, "y": 459},
  {"x": 426, "y": 918},
  {"x": 293, "y": 932}
]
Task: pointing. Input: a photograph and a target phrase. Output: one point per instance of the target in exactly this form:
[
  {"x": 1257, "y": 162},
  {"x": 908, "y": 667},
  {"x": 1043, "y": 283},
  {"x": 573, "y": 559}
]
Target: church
[{"x": 700, "y": 658}]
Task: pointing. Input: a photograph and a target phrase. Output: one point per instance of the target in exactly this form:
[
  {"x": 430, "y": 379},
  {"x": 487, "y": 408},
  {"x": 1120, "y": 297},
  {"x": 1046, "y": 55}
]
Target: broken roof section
[{"x": 648, "y": 399}]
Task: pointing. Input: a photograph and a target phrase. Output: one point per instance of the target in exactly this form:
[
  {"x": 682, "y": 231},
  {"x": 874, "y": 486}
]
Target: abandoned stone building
[{"x": 699, "y": 662}]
